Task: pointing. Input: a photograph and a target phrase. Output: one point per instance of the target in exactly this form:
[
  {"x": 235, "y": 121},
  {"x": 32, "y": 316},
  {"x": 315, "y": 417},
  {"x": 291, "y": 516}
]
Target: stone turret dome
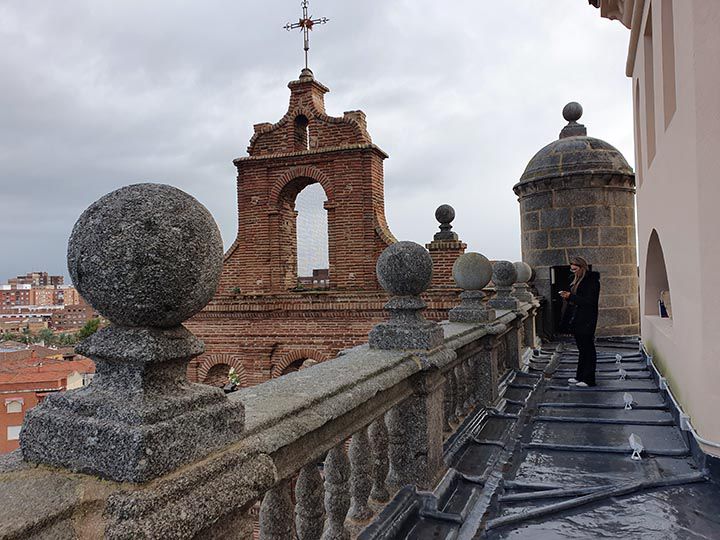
[{"x": 574, "y": 153}]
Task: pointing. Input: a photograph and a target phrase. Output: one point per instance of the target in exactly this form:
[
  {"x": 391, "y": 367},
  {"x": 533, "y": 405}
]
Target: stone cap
[{"x": 574, "y": 153}]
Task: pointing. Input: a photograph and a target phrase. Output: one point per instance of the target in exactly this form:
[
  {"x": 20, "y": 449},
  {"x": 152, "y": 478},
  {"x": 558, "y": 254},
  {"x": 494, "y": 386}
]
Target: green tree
[
  {"x": 47, "y": 336},
  {"x": 8, "y": 336},
  {"x": 92, "y": 326},
  {"x": 26, "y": 336}
]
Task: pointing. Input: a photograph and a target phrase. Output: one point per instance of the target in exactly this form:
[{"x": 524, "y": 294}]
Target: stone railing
[{"x": 142, "y": 453}]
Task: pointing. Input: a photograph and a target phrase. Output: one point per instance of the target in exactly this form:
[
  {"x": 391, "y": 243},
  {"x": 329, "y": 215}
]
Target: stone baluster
[
  {"x": 449, "y": 403},
  {"x": 469, "y": 374},
  {"x": 404, "y": 270},
  {"x": 504, "y": 276},
  {"x": 337, "y": 493},
  {"x": 360, "y": 476},
  {"x": 459, "y": 377},
  {"x": 415, "y": 435},
  {"x": 129, "y": 257},
  {"x": 309, "y": 509},
  {"x": 472, "y": 272},
  {"x": 379, "y": 443},
  {"x": 276, "y": 513},
  {"x": 454, "y": 384}
]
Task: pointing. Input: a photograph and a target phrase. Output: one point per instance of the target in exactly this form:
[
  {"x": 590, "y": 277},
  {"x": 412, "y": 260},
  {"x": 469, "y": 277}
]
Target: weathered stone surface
[
  {"x": 614, "y": 316},
  {"x": 564, "y": 238},
  {"x": 472, "y": 309},
  {"x": 579, "y": 197},
  {"x": 146, "y": 255},
  {"x": 620, "y": 285},
  {"x": 445, "y": 214},
  {"x": 404, "y": 269},
  {"x": 536, "y": 201},
  {"x": 614, "y": 236},
  {"x": 536, "y": 239},
  {"x": 309, "y": 509},
  {"x": 623, "y": 216},
  {"x": 530, "y": 221},
  {"x": 504, "y": 274},
  {"x": 140, "y": 418},
  {"x": 553, "y": 218},
  {"x": 589, "y": 236},
  {"x": 591, "y": 216},
  {"x": 539, "y": 258},
  {"x": 472, "y": 271},
  {"x": 523, "y": 270}
]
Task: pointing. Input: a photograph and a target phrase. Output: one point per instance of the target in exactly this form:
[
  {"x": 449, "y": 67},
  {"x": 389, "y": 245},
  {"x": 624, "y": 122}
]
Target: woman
[{"x": 581, "y": 316}]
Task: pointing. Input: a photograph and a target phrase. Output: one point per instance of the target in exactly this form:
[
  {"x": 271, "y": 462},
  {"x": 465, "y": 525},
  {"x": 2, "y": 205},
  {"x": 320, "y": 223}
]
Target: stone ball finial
[
  {"x": 445, "y": 213},
  {"x": 524, "y": 272},
  {"x": 504, "y": 274},
  {"x": 572, "y": 112},
  {"x": 146, "y": 255},
  {"x": 404, "y": 269},
  {"x": 472, "y": 271}
]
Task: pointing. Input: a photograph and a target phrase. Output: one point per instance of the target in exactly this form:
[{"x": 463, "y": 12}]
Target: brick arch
[
  {"x": 304, "y": 171},
  {"x": 228, "y": 359},
  {"x": 284, "y": 360}
]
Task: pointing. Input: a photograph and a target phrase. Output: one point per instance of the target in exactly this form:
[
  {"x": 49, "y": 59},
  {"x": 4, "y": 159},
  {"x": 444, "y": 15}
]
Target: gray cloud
[{"x": 99, "y": 94}]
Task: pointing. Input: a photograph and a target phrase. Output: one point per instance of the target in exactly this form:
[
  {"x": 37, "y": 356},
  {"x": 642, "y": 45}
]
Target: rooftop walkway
[{"x": 554, "y": 461}]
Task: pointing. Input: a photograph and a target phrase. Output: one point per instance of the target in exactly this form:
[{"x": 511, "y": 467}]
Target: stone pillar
[
  {"x": 415, "y": 429},
  {"x": 445, "y": 248},
  {"x": 147, "y": 257},
  {"x": 379, "y": 441},
  {"x": 276, "y": 513},
  {"x": 504, "y": 276},
  {"x": 472, "y": 272},
  {"x": 360, "y": 476},
  {"x": 337, "y": 493},
  {"x": 309, "y": 509},
  {"x": 404, "y": 270}
]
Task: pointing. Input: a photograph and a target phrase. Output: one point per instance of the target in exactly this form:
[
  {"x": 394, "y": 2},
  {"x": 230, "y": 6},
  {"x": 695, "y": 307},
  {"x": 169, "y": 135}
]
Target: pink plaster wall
[{"x": 679, "y": 197}]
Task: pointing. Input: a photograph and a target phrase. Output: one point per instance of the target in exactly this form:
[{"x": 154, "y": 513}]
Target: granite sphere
[
  {"x": 445, "y": 213},
  {"x": 404, "y": 269},
  {"x": 504, "y": 273},
  {"x": 524, "y": 272},
  {"x": 472, "y": 271},
  {"x": 572, "y": 112},
  {"x": 146, "y": 255}
]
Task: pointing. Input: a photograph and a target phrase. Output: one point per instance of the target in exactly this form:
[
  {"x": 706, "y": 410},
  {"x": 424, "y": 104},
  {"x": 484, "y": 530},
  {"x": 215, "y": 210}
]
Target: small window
[
  {"x": 14, "y": 405},
  {"x": 13, "y": 433}
]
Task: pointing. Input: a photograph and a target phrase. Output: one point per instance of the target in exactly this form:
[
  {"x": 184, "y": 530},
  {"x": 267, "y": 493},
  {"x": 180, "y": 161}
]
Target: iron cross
[{"x": 306, "y": 23}]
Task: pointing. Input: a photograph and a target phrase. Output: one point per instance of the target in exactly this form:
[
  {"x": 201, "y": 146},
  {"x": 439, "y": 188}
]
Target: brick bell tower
[
  {"x": 260, "y": 323},
  {"x": 306, "y": 147}
]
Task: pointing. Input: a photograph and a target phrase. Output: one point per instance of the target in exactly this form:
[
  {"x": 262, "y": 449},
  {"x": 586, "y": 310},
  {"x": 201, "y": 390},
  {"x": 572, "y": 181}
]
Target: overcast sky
[{"x": 98, "y": 94}]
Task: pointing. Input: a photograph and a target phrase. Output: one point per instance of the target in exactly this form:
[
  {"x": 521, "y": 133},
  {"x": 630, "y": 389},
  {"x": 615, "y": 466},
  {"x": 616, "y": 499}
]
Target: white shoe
[
  {"x": 572, "y": 380},
  {"x": 582, "y": 384}
]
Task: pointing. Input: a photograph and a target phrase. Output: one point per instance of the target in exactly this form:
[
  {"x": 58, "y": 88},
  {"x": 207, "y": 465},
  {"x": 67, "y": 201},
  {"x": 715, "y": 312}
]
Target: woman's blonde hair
[{"x": 584, "y": 269}]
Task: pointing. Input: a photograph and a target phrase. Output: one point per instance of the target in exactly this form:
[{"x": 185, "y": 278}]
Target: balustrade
[{"x": 395, "y": 400}]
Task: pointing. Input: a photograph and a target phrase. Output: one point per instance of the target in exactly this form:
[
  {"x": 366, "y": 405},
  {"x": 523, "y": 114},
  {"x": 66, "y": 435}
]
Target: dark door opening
[{"x": 560, "y": 279}]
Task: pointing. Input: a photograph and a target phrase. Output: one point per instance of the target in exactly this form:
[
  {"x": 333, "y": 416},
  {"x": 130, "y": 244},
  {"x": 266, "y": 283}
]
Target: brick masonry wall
[
  {"x": 256, "y": 323},
  {"x": 444, "y": 254},
  {"x": 593, "y": 218}
]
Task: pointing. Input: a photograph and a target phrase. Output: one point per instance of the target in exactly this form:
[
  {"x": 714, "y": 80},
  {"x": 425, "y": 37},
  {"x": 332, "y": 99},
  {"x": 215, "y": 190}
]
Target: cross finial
[{"x": 306, "y": 23}]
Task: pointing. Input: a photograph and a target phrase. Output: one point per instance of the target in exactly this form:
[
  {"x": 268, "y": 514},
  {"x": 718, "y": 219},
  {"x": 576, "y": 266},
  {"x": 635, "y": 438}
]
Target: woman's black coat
[{"x": 582, "y": 312}]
